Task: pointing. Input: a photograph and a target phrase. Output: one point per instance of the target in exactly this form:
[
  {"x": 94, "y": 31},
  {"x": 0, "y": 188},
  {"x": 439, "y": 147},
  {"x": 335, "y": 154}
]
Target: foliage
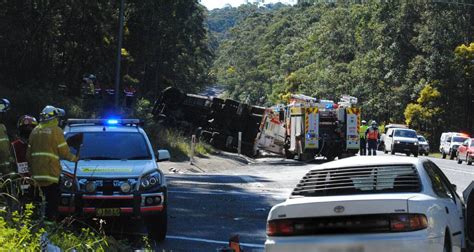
[
  {"x": 384, "y": 53},
  {"x": 48, "y": 46}
]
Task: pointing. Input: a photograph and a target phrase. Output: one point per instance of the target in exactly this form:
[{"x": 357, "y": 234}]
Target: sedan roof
[{"x": 370, "y": 161}]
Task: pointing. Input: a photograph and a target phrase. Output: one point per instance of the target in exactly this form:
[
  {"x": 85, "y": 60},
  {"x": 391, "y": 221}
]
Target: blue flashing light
[
  {"x": 112, "y": 121},
  {"x": 329, "y": 106}
]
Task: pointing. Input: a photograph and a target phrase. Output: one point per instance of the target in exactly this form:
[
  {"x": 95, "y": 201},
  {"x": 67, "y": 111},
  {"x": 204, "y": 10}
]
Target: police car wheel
[{"x": 157, "y": 226}]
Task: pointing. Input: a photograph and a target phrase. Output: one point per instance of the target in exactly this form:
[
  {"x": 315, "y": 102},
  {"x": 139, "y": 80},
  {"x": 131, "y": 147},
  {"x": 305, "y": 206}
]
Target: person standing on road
[
  {"x": 372, "y": 136},
  {"x": 46, "y": 147},
  {"x": 25, "y": 126},
  {"x": 363, "y": 141},
  {"x": 6, "y": 159}
]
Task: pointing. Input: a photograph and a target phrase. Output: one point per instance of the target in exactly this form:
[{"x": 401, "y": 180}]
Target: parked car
[
  {"x": 449, "y": 143},
  {"x": 117, "y": 175},
  {"x": 401, "y": 140},
  {"x": 370, "y": 204},
  {"x": 466, "y": 151},
  {"x": 423, "y": 146},
  {"x": 381, "y": 145}
]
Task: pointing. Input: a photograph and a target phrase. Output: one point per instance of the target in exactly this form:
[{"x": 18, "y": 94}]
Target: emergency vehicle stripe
[
  {"x": 46, "y": 154},
  {"x": 3, "y": 139},
  {"x": 62, "y": 145},
  {"x": 46, "y": 178}
]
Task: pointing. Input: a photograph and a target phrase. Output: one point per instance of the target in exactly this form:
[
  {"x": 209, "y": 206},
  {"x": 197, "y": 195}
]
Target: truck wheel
[
  {"x": 444, "y": 155},
  {"x": 415, "y": 154},
  {"x": 408, "y": 154},
  {"x": 392, "y": 151},
  {"x": 157, "y": 226},
  {"x": 452, "y": 155}
]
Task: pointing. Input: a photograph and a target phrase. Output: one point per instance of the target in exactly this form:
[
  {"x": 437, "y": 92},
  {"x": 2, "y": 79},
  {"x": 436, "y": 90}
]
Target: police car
[{"x": 117, "y": 174}]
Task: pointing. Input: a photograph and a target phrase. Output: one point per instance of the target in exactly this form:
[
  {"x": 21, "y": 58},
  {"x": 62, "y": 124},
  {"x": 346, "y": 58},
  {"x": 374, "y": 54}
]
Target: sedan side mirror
[
  {"x": 455, "y": 187},
  {"x": 391, "y": 135},
  {"x": 163, "y": 155}
]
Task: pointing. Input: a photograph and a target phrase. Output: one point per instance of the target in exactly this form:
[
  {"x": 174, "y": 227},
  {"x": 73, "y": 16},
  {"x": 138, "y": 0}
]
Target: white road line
[{"x": 250, "y": 245}]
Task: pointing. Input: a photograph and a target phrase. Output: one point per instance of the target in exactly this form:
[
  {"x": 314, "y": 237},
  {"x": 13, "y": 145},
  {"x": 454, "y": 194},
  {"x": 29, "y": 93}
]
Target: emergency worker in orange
[
  {"x": 372, "y": 136},
  {"x": 47, "y": 146}
]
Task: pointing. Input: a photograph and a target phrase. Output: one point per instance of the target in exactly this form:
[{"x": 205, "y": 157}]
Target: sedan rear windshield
[
  {"x": 359, "y": 180},
  {"x": 113, "y": 146},
  {"x": 405, "y": 133}
]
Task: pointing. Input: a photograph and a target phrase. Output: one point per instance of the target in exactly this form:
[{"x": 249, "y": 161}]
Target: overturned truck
[{"x": 214, "y": 120}]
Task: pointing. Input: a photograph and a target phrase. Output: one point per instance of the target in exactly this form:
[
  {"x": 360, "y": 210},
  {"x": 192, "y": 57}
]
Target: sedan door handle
[{"x": 447, "y": 210}]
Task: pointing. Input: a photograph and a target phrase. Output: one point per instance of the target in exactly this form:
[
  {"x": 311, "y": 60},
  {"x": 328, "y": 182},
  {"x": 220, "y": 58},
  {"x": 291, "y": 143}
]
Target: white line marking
[{"x": 251, "y": 245}]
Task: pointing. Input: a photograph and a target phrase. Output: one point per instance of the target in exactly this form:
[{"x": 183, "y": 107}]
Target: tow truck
[{"x": 117, "y": 174}]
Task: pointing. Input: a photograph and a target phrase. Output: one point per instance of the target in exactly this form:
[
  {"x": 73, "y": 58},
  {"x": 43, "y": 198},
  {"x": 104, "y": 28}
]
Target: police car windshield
[
  {"x": 113, "y": 146},
  {"x": 405, "y": 133}
]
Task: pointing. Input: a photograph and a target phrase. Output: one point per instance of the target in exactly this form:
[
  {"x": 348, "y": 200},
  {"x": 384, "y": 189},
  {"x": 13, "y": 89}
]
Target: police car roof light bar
[{"x": 122, "y": 122}]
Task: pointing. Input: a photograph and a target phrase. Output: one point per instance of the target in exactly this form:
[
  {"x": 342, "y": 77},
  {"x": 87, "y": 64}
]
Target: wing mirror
[
  {"x": 455, "y": 187},
  {"x": 163, "y": 155},
  {"x": 391, "y": 135},
  {"x": 75, "y": 141}
]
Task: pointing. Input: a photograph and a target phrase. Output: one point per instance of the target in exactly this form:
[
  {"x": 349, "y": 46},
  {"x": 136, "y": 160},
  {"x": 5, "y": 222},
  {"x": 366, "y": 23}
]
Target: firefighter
[
  {"x": 6, "y": 160},
  {"x": 363, "y": 141},
  {"x": 46, "y": 147},
  {"x": 129, "y": 92},
  {"x": 25, "y": 126},
  {"x": 372, "y": 136}
]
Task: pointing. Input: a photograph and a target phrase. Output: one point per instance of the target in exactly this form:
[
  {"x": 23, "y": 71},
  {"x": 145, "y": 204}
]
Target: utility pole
[{"x": 119, "y": 56}]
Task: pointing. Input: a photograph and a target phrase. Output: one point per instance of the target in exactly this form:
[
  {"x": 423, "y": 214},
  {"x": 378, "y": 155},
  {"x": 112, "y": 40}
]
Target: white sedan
[{"x": 369, "y": 204}]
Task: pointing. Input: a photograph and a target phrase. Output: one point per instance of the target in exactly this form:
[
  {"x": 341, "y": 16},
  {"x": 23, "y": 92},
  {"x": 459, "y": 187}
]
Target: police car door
[{"x": 468, "y": 196}]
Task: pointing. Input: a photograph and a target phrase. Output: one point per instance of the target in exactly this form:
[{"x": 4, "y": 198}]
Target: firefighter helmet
[
  {"x": 50, "y": 112},
  {"x": 4, "y": 105}
]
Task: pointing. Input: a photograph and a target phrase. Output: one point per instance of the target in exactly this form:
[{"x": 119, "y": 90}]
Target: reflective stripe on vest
[
  {"x": 4, "y": 139},
  {"x": 372, "y": 134},
  {"x": 62, "y": 145},
  {"x": 5, "y": 163},
  {"x": 46, "y": 178},
  {"x": 45, "y": 154}
]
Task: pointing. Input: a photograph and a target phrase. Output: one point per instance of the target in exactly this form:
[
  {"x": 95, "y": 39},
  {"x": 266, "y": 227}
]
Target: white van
[
  {"x": 449, "y": 143},
  {"x": 401, "y": 140}
]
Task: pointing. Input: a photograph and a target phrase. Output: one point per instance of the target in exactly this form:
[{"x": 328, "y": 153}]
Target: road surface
[{"x": 206, "y": 209}]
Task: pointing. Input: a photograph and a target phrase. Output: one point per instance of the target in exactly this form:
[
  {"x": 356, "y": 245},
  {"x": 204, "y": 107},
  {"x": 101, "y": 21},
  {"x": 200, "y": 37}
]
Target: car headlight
[
  {"x": 125, "y": 187},
  {"x": 66, "y": 182},
  {"x": 415, "y": 143},
  {"x": 151, "y": 180},
  {"x": 397, "y": 142},
  {"x": 91, "y": 187}
]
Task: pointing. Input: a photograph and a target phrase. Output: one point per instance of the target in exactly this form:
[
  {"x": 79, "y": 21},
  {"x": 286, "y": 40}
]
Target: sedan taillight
[
  {"x": 378, "y": 223},
  {"x": 408, "y": 222}
]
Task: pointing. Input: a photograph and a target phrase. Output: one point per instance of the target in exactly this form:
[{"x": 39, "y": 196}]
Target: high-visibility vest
[
  {"x": 372, "y": 134},
  {"x": 5, "y": 154},
  {"x": 46, "y": 147},
  {"x": 362, "y": 130}
]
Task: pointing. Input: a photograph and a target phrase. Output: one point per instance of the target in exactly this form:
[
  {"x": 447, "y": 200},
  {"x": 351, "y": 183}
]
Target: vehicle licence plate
[{"x": 104, "y": 212}]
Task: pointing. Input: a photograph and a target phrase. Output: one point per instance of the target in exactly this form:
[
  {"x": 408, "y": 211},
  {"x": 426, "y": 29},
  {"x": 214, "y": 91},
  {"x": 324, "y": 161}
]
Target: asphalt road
[{"x": 205, "y": 210}]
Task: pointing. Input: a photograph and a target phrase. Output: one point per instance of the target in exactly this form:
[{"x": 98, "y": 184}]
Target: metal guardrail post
[
  {"x": 239, "y": 148},
  {"x": 193, "y": 148}
]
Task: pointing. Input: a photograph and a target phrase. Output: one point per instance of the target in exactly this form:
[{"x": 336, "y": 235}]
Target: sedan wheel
[
  {"x": 447, "y": 244},
  {"x": 469, "y": 162}
]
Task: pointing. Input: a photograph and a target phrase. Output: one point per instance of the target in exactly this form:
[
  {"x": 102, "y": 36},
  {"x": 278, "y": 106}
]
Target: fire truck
[{"x": 308, "y": 127}]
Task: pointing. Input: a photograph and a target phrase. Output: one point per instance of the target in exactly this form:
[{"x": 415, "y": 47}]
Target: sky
[{"x": 212, "y": 4}]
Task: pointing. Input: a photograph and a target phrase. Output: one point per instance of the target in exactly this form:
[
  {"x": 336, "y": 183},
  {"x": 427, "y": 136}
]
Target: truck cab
[{"x": 449, "y": 143}]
